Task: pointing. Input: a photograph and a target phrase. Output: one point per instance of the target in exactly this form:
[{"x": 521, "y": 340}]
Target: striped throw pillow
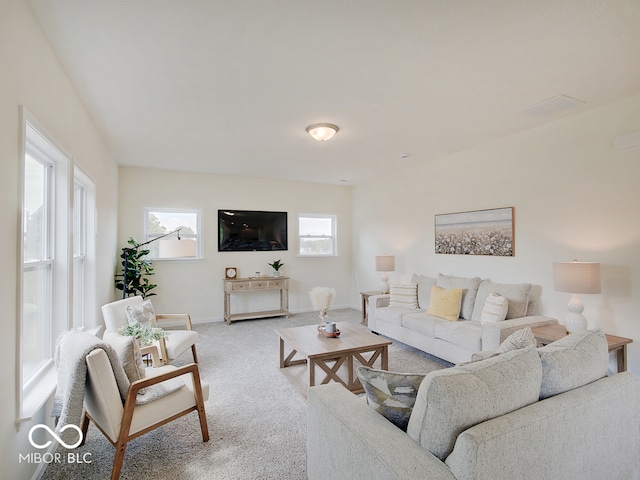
[
  {"x": 495, "y": 308},
  {"x": 403, "y": 296}
]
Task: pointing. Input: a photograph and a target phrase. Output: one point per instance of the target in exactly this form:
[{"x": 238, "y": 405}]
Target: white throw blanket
[{"x": 72, "y": 349}]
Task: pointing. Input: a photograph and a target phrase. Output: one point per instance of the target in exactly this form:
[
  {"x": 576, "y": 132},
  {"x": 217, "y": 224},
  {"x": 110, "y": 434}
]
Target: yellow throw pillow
[{"x": 445, "y": 303}]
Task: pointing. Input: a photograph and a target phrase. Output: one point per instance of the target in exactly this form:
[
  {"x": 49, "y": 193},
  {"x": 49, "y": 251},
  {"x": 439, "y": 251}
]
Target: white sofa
[
  {"x": 546, "y": 413},
  {"x": 457, "y": 341}
]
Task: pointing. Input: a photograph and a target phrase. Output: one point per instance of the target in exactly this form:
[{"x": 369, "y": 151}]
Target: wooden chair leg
[
  {"x": 118, "y": 460},
  {"x": 85, "y": 427},
  {"x": 193, "y": 350}
]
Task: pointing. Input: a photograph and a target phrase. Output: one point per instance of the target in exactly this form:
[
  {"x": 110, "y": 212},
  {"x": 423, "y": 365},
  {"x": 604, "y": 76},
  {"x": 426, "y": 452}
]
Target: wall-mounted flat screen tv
[{"x": 251, "y": 231}]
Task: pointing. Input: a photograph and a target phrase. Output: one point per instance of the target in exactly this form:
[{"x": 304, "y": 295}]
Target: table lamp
[
  {"x": 385, "y": 263},
  {"x": 576, "y": 277}
]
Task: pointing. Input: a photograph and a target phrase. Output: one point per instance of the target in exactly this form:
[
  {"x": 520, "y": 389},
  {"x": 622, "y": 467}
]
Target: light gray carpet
[{"x": 257, "y": 421}]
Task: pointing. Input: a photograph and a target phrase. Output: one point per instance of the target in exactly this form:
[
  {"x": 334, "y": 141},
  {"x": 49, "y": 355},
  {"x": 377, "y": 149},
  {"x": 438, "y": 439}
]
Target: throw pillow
[
  {"x": 403, "y": 296},
  {"x": 519, "y": 339},
  {"x": 129, "y": 353},
  {"x": 142, "y": 313},
  {"x": 517, "y": 294},
  {"x": 445, "y": 303},
  {"x": 469, "y": 288},
  {"x": 573, "y": 361},
  {"x": 453, "y": 399},
  {"x": 391, "y": 394},
  {"x": 495, "y": 308}
]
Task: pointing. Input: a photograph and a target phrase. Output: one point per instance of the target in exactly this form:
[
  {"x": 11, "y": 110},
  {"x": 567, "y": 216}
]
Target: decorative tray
[{"x": 329, "y": 334}]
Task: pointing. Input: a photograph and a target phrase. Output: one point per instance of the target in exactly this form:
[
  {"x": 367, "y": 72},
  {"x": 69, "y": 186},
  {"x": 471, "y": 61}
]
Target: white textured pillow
[
  {"x": 495, "y": 308},
  {"x": 142, "y": 313},
  {"x": 403, "y": 296},
  {"x": 129, "y": 353}
]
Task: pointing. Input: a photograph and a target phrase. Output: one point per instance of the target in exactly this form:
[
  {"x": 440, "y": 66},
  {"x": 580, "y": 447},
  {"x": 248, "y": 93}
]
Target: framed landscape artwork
[{"x": 480, "y": 232}]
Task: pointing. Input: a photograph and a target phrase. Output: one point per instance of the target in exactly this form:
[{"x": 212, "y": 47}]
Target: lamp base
[
  {"x": 384, "y": 286},
  {"x": 575, "y": 321}
]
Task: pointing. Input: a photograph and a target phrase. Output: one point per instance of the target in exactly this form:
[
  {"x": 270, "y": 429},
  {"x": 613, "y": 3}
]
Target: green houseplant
[
  {"x": 276, "y": 265},
  {"x": 135, "y": 270}
]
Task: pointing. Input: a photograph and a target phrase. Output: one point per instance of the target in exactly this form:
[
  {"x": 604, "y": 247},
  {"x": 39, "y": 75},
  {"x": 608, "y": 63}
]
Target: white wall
[
  {"x": 574, "y": 198},
  {"x": 196, "y": 286},
  {"x": 32, "y": 76}
]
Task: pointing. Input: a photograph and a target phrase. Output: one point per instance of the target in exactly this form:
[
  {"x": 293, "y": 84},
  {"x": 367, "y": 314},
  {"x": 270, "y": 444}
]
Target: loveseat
[
  {"x": 403, "y": 316},
  {"x": 532, "y": 413}
]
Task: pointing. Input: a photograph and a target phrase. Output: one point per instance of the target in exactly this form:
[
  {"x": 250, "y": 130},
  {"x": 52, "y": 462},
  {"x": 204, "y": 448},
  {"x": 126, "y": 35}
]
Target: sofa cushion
[
  {"x": 393, "y": 315},
  {"x": 423, "y": 323},
  {"x": 464, "y": 333},
  {"x": 425, "y": 284},
  {"x": 391, "y": 394},
  {"x": 517, "y": 295},
  {"x": 403, "y": 296},
  {"x": 451, "y": 400},
  {"x": 445, "y": 303},
  {"x": 573, "y": 361},
  {"x": 469, "y": 288},
  {"x": 495, "y": 308}
]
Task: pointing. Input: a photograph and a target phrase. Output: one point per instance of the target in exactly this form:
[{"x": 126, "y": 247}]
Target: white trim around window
[{"x": 317, "y": 235}]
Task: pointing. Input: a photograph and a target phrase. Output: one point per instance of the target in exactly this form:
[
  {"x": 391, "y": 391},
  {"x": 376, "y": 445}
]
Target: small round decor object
[{"x": 230, "y": 272}]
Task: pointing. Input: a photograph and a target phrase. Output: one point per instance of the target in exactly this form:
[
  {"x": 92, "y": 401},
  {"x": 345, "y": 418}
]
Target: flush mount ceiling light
[{"x": 322, "y": 131}]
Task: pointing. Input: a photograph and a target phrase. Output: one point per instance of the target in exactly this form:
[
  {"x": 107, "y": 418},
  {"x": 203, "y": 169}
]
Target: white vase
[{"x": 276, "y": 273}]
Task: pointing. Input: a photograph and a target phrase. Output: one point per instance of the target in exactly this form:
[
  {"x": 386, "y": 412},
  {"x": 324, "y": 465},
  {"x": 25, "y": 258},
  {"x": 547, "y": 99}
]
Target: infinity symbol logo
[{"x": 53, "y": 434}]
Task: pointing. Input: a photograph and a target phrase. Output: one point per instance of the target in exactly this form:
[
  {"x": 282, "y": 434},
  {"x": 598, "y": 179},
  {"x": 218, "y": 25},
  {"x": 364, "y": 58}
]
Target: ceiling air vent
[{"x": 552, "y": 106}]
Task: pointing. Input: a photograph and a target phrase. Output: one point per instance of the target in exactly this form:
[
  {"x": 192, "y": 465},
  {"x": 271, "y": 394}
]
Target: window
[
  {"x": 317, "y": 235},
  {"x": 159, "y": 223},
  {"x": 84, "y": 228},
  {"x": 44, "y": 283}
]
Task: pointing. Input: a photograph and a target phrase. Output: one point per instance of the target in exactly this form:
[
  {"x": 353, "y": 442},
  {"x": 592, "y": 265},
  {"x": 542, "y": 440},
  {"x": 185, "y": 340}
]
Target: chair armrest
[
  {"x": 183, "y": 317},
  {"x": 494, "y": 333},
  {"x": 191, "y": 368}
]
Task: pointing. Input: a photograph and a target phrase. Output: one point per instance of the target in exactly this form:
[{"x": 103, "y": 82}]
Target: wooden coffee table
[{"x": 335, "y": 358}]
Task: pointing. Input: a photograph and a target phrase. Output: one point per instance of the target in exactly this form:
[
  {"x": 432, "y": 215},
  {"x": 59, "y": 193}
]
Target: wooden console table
[
  {"x": 551, "y": 333},
  {"x": 238, "y": 285},
  {"x": 365, "y": 304}
]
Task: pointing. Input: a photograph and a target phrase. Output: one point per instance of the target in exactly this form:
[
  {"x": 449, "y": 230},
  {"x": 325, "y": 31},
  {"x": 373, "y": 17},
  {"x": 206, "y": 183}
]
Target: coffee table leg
[
  {"x": 281, "y": 353},
  {"x": 311, "y": 365},
  {"x": 385, "y": 358}
]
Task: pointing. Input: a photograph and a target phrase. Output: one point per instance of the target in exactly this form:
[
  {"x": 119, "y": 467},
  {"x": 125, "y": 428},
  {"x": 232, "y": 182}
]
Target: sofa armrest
[
  {"x": 348, "y": 439},
  {"x": 375, "y": 302},
  {"x": 493, "y": 334}
]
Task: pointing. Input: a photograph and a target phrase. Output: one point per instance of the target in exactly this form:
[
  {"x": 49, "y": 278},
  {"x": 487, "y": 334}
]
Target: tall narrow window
[
  {"x": 37, "y": 280},
  {"x": 83, "y": 248},
  {"x": 159, "y": 222},
  {"x": 317, "y": 235},
  {"x": 44, "y": 283}
]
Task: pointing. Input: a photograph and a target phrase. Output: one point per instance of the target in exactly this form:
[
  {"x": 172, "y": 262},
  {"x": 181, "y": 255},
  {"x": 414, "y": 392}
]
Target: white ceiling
[{"x": 229, "y": 86}]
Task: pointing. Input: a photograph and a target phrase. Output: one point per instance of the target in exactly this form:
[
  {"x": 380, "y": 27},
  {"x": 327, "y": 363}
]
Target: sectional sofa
[
  {"x": 546, "y": 413},
  {"x": 407, "y": 320}
]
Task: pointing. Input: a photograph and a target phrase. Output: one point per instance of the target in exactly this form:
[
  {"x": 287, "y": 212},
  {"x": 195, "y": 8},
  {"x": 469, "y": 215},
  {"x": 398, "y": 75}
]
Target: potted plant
[
  {"x": 276, "y": 265},
  {"x": 145, "y": 334},
  {"x": 135, "y": 269}
]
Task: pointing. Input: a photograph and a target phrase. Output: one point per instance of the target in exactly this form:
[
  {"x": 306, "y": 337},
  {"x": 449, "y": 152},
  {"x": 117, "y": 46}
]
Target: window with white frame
[
  {"x": 44, "y": 278},
  {"x": 84, "y": 228},
  {"x": 178, "y": 232},
  {"x": 317, "y": 235}
]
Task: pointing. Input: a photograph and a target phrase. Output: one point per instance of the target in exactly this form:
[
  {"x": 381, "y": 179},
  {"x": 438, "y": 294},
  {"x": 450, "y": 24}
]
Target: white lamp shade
[
  {"x": 576, "y": 277},
  {"x": 176, "y": 248},
  {"x": 385, "y": 263}
]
